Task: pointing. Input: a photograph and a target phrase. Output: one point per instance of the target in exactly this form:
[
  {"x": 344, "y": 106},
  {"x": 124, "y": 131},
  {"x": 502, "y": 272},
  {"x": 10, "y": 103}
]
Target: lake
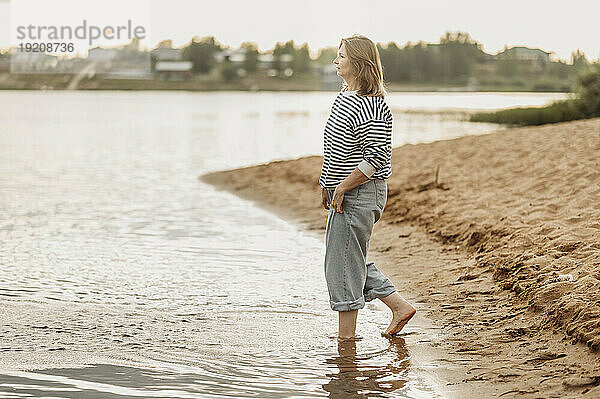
[{"x": 117, "y": 258}]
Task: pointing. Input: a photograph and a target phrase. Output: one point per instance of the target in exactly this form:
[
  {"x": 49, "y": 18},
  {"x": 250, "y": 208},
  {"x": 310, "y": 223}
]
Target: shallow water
[{"x": 114, "y": 255}]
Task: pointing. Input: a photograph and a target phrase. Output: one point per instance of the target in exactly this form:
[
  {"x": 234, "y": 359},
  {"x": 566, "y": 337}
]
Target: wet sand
[{"x": 481, "y": 250}]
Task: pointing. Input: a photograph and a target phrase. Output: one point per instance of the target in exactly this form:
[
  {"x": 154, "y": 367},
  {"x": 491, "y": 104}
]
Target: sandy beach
[{"x": 483, "y": 248}]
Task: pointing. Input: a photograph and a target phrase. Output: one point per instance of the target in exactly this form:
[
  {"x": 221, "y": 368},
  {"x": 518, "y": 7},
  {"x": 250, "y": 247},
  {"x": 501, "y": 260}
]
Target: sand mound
[{"x": 527, "y": 201}]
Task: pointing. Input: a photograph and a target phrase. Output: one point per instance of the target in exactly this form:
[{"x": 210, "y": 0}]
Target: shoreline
[
  {"x": 61, "y": 81},
  {"x": 514, "y": 209}
]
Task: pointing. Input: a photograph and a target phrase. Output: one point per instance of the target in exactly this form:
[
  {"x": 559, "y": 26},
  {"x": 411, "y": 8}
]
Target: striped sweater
[{"x": 358, "y": 133}]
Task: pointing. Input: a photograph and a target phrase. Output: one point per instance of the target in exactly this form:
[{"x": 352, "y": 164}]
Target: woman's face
[{"x": 342, "y": 64}]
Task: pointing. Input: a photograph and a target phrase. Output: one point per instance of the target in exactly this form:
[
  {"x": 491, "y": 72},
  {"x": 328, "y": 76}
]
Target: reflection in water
[
  {"x": 383, "y": 373},
  {"x": 357, "y": 378}
]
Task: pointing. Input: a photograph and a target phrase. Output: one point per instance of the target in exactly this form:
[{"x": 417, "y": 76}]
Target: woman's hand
[
  {"x": 325, "y": 198},
  {"x": 338, "y": 198}
]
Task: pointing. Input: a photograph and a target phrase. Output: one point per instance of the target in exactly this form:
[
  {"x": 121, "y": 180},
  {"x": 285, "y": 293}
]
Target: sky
[{"x": 558, "y": 27}]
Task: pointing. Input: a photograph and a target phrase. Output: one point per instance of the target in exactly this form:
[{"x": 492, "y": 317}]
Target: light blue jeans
[{"x": 351, "y": 281}]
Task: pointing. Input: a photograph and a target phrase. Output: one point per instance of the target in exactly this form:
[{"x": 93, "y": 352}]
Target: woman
[{"x": 356, "y": 166}]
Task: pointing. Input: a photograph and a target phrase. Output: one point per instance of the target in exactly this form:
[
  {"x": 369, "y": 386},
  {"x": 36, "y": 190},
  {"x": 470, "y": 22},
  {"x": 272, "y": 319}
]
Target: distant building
[
  {"x": 173, "y": 70},
  {"x": 167, "y": 54},
  {"x": 233, "y": 56},
  {"x": 169, "y": 63},
  {"x": 526, "y": 54},
  {"x": 286, "y": 58},
  {"x": 31, "y": 62},
  {"x": 99, "y": 54},
  {"x": 264, "y": 62}
]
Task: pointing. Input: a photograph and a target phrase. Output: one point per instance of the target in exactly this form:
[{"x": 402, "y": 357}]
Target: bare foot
[
  {"x": 400, "y": 317},
  {"x": 397, "y": 324}
]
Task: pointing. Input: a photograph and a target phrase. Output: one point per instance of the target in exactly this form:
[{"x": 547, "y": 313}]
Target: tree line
[{"x": 456, "y": 59}]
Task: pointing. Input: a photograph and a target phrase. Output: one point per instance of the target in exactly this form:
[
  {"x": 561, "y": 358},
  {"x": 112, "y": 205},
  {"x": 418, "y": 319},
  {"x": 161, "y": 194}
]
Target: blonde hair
[{"x": 365, "y": 65}]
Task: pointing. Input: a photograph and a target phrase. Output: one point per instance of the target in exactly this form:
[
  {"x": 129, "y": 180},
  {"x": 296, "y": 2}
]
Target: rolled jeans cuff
[
  {"x": 381, "y": 292},
  {"x": 348, "y": 305}
]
